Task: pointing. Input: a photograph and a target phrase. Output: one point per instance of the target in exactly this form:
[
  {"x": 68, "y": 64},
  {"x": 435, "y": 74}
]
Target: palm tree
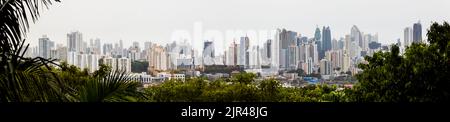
[
  {"x": 34, "y": 79},
  {"x": 21, "y": 77}
]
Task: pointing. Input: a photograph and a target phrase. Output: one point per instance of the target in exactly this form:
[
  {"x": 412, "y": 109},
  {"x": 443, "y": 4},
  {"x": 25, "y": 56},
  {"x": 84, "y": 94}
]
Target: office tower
[
  {"x": 95, "y": 46},
  {"x": 107, "y": 49},
  {"x": 120, "y": 44},
  {"x": 334, "y": 44},
  {"x": 147, "y": 45},
  {"x": 407, "y": 36},
  {"x": 157, "y": 58},
  {"x": 243, "y": 51},
  {"x": 292, "y": 56},
  {"x": 318, "y": 39},
  {"x": 124, "y": 65},
  {"x": 118, "y": 64},
  {"x": 367, "y": 39},
  {"x": 302, "y": 53},
  {"x": 317, "y": 35},
  {"x": 92, "y": 62},
  {"x": 84, "y": 47},
  {"x": 268, "y": 48},
  {"x": 286, "y": 39},
  {"x": 292, "y": 50},
  {"x": 356, "y": 36},
  {"x": 310, "y": 66},
  {"x": 233, "y": 54},
  {"x": 326, "y": 41},
  {"x": 335, "y": 57},
  {"x": 136, "y": 45},
  {"x": 74, "y": 41},
  {"x": 341, "y": 43},
  {"x": 283, "y": 57},
  {"x": 208, "y": 49},
  {"x": 208, "y": 53},
  {"x": 375, "y": 38},
  {"x": 325, "y": 67},
  {"x": 275, "y": 50},
  {"x": 45, "y": 46},
  {"x": 134, "y": 52},
  {"x": 61, "y": 53},
  {"x": 315, "y": 52},
  {"x": 417, "y": 32}
]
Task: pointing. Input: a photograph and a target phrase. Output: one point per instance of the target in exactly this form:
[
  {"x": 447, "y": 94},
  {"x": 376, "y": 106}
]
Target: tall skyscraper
[
  {"x": 417, "y": 32},
  {"x": 325, "y": 67},
  {"x": 233, "y": 54},
  {"x": 74, "y": 41},
  {"x": 286, "y": 40},
  {"x": 61, "y": 53},
  {"x": 355, "y": 36},
  {"x": 107, "y": 49},
  {"x": 326, "y": 41},
  {"x": 118, "y": 64},
  {"x": 407, "y": 36},
  {"x": 208, "y": 53},
  {"x": 147, "y": 45},
  {"x": 341, "y": 43},
  {"x": 318, "y": 40},
  {"x": 45, "y": 46},
  {"x": 268, "y": 48},
  {"x": 317, "y": 35},
  {"x": 243, "y": 51},
  {"x": 98, "y": 47}
]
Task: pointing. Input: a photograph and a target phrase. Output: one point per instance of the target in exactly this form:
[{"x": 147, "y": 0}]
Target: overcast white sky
[{"x": 156, "y": 20}]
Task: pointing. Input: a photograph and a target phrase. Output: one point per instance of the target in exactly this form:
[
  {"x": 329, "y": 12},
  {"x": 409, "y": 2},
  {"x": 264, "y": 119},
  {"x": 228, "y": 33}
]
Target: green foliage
[
  {"x": 420, "y": 75},
  {"x": 114, "y": 87},
  {"x": 139, "y": 66},
  {"x": 102, "y": 71},
  {"x": 244, "y": 78},
  {"x": 23, "y": 79},
  {"x": 239, "y": 89},
  {"x": 299, "y": 72}
]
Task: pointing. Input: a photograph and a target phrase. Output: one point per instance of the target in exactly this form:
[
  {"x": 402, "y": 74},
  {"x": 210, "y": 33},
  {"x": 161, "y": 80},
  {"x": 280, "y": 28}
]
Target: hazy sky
[{"x": 156, "y": 20}]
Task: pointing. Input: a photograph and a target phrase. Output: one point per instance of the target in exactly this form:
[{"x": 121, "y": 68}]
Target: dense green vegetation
[
  {"x": 420, "y": 75},
  {"x": 37, "y": 79},
  {"x": 240, "y": 88},
  {"x": 139, "y": 66}
]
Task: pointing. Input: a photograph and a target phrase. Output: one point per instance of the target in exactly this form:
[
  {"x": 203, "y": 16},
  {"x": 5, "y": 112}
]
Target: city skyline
[{"x": 155, "y": 22}]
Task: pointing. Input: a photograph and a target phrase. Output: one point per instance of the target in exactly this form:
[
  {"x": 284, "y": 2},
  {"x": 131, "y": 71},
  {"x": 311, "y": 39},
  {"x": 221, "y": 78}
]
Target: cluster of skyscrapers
[{"x": 287, "y": 50}]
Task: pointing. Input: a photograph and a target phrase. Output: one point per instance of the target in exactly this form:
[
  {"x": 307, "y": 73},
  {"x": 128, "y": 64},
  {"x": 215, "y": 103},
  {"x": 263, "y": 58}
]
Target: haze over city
[{"x": 155, "y": 21}]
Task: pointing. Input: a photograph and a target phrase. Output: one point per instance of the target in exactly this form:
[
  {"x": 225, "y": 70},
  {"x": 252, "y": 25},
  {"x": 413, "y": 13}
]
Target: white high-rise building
[
  {"x": 118, "y": 64},
  {"x": 407, "y": 36},
  {"x": 334, "y": 57},
  {"x": 75, "y": 41},
  {"x": 356, "y": 36},
  {"x": 124, "y": 64},
  {"x": 108, "y": 49},
  {"x": 61, "y": 53},
  {"x": 45, "y": 45},
  {"x": 232, "y": 54},
  {"x": 157, "y": 58},
  {"x": 301, "y": 53},
  {"x": 366, "y": 41},
  {"x": 310, "y": 66},
  {"x": 244, "y": 51},
  {"x": 275, "y": 59},
  {"x": 325, "y": 67},
  {"x": 92, "y": 62}
]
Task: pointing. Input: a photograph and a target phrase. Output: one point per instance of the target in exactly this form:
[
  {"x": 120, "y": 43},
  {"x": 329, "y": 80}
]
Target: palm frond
[
  {"x": 115, "y": 87},
  {"x": 22, "y": 79}
]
